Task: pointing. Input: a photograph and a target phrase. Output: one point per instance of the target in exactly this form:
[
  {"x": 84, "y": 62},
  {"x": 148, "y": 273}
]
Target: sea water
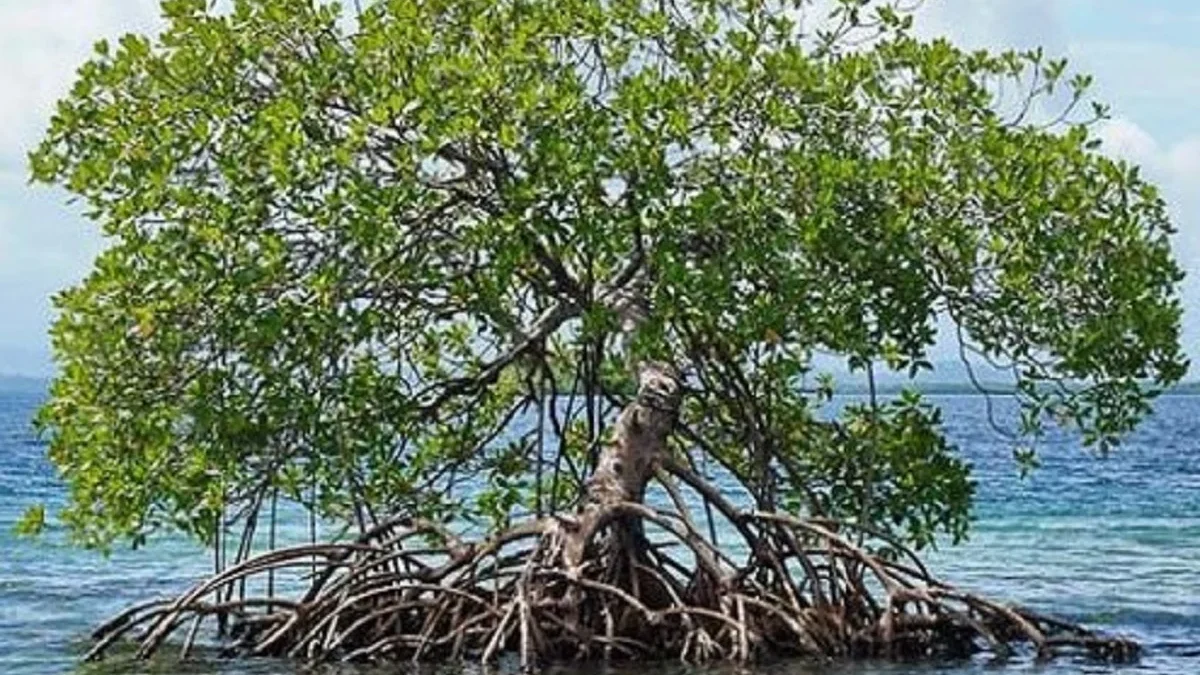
[{"x": 1113, "y": 542}]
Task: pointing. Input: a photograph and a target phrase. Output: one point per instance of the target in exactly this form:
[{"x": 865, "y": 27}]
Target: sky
[{"x": 1143, "y": 55}]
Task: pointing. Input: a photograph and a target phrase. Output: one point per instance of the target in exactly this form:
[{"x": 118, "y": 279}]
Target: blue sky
[{"x": 1145, "y": 56}]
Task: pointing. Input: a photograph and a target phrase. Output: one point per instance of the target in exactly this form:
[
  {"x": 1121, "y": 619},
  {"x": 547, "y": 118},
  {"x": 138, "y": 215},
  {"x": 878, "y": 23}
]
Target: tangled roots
[{"x": 624, "y": 582}]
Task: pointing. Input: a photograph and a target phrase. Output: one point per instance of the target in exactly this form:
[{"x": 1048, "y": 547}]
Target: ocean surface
[{"x": 1113, "y": 542}]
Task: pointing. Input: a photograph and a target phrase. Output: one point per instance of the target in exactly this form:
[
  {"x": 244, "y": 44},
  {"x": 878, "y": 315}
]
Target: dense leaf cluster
[{"x": 352, "y": 252}]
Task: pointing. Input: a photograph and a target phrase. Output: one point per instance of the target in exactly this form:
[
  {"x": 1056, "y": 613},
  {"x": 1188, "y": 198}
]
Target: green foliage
[
  {"x": 32, "y": 521},
  {"x": 886, "y": 467},
  {"x": 348, "y": 254}
]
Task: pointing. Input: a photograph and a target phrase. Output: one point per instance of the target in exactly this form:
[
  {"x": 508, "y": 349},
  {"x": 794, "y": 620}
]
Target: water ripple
[{"x": 1114, "y": 543}]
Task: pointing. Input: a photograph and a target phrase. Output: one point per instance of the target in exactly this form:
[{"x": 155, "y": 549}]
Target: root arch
[
  {"x": 596, "y": 585},
  {"x": 804, "y": 589}
]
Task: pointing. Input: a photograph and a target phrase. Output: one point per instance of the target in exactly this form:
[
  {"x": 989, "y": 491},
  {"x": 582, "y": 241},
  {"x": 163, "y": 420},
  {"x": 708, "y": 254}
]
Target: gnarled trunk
[
  {"x": 639, "y": 439},
  {"x": 627, "y": 463}
]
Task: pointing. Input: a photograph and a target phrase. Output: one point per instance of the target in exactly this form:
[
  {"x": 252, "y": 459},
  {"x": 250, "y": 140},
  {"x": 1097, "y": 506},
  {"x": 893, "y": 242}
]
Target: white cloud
[
  {"x": 1008, "y": 24},
  {"x": 1153, "y": 87},
  {"x": 1183, "y": 162},
  {"x": 42, "y": 43},
  {"x": 1175, "y": 168},
  {"x": 1122, "y": 138},
  {"x": 44, "y": 245}
]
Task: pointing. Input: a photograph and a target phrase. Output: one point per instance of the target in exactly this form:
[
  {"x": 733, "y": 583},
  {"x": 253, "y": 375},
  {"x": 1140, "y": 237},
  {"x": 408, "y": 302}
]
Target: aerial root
[{"x": 648, "y": 585}]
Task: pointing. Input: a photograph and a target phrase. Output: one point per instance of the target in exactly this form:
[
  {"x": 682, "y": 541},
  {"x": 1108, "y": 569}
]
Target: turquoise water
[{"x": 1112, "y": 542}]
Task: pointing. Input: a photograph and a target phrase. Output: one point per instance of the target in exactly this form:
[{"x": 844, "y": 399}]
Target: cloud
[
  {"x": 1004, "y": 24},
  {"x": 42, "y": 44},
  {"x": 1175, "y": 168},
  {"x": 1153, "y": 86},
  {"x": 44, "y": 245},
  {"x": 1122, "y": 138}
]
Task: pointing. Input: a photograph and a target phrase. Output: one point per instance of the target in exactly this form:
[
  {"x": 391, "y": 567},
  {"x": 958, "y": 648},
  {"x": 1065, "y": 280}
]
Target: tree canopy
[{"x": 351, "y": 252}]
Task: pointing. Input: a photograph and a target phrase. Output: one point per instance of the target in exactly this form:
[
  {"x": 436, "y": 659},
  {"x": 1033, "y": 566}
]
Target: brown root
[{"x": 618, "y": 580}]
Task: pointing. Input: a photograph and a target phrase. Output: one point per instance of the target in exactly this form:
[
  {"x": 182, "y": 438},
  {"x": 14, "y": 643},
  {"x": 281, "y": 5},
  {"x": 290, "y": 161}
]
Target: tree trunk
[
  {"x": 639, "y": 440},
  {"x": 629, "y": 460}
]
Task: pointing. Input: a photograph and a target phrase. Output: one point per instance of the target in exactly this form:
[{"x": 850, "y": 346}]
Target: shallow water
[{"x": 1112, "y": 542}]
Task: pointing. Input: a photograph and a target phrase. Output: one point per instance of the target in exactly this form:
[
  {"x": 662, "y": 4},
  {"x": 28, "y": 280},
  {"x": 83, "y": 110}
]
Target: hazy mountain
[
  {"x": 22, "y": 384},
  {"x": 25, "y": 362},
  {"x": 947, "y": 374}
]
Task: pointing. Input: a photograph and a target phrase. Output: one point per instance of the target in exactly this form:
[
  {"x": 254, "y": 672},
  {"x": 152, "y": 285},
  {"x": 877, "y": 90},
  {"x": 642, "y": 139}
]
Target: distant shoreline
[
  {"x": 967, "y": 389},
  {"x": 27, "y": 384}
]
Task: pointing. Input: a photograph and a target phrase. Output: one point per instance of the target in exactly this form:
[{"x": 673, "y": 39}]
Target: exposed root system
[{"x": 614, "y": 581}]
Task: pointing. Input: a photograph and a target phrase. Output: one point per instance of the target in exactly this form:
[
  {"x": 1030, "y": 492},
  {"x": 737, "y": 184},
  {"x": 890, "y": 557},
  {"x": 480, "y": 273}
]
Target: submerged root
[{"x": 622, "y": 582}]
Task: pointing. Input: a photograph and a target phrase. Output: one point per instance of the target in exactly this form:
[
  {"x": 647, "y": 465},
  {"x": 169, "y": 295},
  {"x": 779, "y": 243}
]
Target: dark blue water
[{"x": 1112, "y": 542}]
